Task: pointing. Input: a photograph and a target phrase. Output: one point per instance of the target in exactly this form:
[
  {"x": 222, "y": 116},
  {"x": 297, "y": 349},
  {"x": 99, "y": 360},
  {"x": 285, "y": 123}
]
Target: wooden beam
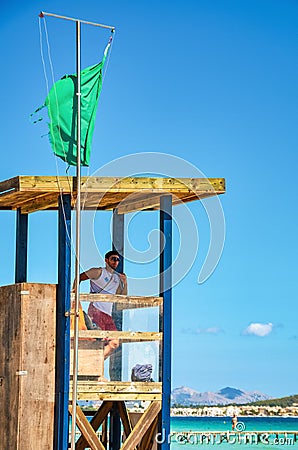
[
  {"x": 33, "y": 193},
  {"x": 95, "y": 423},
  {"x": 113, "y": 184},
  {"x": 40, "y": 202},
  {"x": 148, "y": 439},
  {"x": 104, "y": 433},
  {"x": 124, "y": 336},
  {"x": 138, "y": 202},
  {"x": 118, "y": 386},
  {"x": 109, "y": 396},
  {"x": 142, "y": 426},
  {"x": 87, "y": 430},
  {"x": 151, "y": 201},
  {"x": 13, "y": 198},
  {"x": 118, "y": 391},
  {"x": 125, "y": 300},
  {"x": 9, "y": 185},
  {"x": 124, "y": 418}
]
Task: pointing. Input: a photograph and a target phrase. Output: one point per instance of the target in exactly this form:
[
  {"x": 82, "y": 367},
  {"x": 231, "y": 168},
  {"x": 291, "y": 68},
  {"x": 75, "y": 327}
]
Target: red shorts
[{"x": 103, "y": 320}]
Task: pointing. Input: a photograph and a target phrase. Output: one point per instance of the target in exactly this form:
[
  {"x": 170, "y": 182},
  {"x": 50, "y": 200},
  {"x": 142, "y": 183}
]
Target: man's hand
[{"x": 123, "y": 278}]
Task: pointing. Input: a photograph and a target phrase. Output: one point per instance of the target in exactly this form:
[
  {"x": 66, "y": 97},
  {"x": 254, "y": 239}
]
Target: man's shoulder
[{"x": 94, "y": 272}]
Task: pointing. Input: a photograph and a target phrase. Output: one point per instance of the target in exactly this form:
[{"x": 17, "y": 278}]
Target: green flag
[{"x": 62, "y": 109}]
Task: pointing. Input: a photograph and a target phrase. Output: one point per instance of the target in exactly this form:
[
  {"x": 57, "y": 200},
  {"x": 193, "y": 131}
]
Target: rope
[
  {"x": 111, "y": 40},
  {"x": 54, "y": 86},
  {"x": 56, "y": 162},
  {"x": 73, "y": 252},
  {"x": 42, "y": 57}
]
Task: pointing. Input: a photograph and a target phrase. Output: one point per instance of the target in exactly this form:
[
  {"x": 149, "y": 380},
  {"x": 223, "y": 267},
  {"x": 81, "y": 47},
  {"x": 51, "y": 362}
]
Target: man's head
[{"x": 112, "y": 259}]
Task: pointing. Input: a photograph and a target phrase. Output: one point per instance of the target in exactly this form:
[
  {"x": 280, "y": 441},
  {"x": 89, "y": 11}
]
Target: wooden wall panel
[
  {"x": 27, "y": 361},
  {"x": 10, "y": 337}
]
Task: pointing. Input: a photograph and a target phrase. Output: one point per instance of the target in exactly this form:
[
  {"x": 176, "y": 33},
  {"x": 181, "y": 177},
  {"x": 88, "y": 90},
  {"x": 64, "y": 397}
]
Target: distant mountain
[
  {"x": 186, "y": 396},
  {"x": 284, "y": 402}
]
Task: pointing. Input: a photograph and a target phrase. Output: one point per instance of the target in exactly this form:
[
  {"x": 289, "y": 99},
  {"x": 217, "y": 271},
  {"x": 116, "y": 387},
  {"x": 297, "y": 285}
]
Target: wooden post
[
  {"x": 165, "y": 272},
  {"x": 21, "y": 247},
  {"x": 61, "y": 433},
  {"x": 117, "y": 244},
  {"x": 116, "y": 358}
]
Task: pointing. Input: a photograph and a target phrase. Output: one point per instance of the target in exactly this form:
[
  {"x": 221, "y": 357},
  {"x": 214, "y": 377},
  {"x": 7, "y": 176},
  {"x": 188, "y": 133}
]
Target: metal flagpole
[
  {"x": 78, "y": 242},
  {"x": 78, "y": 215}
]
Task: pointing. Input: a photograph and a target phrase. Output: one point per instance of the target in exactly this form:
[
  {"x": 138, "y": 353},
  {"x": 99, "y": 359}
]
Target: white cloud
[
  {"x": 213, "y": 330},
  {"x": 258, "y": 329},
  {"x": 210, "y": 330}
]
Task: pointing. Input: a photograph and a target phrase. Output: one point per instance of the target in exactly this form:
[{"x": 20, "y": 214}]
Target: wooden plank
[
  {"x": 10, "y": 351},
  {"x": 13, "y": 198},
  {"x": 87, "y": 430},
  {"x": 189, "y": 193},
  {"x": 10, "y": 184},
  {"x": 139, "y": 201},
  {"x": 114, "y": 184},
  {"x": 148, "y": 442},
  {"x": 134, "y": 184},
  {"x": 153, "y": 202},
  {"x": 142, "y": 426},
  {"x": 109, "y": 396},
  {"x": 123, "y": 306},
  {"x": 37, "y": 390},
  {"x": 39, "y": 202},
  {"x": 125, "y": 300},
  {"x": 94, "y": 390},
  {"x": 90, "y": 357},
  {"x": 118, "y": 386},
  {"x": 108, "y": 201},
  {"x": 46, "y": 184},
  {"x": 27, "y": 365},
  {"x": 95, "y": 423},
  {"x": 123, "y": 336},
  {"x": 125, "y": 418},
  {"x": 33, "y": 193},
  {"x": 104, "y": 433}
]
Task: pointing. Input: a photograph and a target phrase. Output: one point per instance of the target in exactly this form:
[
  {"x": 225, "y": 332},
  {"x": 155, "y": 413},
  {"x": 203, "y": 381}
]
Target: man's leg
[{"x": 105, "y": 322}]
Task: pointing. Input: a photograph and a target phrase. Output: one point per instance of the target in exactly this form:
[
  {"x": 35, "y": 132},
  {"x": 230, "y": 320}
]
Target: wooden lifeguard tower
[{"x": 35, "y": 335}]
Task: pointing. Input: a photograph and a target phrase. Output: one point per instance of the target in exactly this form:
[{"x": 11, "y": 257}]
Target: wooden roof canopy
[{"x": 36, "y": 193}]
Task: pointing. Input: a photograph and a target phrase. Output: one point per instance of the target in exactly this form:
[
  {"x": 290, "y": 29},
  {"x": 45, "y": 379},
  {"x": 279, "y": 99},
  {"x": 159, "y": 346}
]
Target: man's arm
[
  {"x": 122, "y": 288},
  {"x": 91, "y": 274}
]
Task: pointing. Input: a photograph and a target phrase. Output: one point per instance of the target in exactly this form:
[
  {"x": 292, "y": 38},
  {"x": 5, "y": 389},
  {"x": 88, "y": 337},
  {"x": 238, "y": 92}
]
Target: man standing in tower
[{"x": 105, "y": 280}]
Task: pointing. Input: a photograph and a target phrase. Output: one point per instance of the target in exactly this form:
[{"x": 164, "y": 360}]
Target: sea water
[{"x": 223, "y": 424}]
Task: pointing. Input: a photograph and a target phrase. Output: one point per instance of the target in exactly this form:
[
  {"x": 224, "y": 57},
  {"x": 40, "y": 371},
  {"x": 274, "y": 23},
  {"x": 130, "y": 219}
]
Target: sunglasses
[{"x": 114, "y": 258}]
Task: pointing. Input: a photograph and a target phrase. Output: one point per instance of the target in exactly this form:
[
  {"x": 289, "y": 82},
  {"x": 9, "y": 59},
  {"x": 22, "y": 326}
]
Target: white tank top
[{"x": 107, "y": 283}]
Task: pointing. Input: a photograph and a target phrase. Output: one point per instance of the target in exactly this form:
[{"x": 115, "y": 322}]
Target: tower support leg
[
  {"x": 61, "y": 430},
  {"x": 116, "y": 357},
  {"x": 166, "y": 318},
  {"x": 21, "y": 247}
]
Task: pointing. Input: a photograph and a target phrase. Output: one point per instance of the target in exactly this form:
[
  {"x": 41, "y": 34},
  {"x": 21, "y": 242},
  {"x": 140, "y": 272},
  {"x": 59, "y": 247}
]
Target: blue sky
[{"x": 213, "y": 83}]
